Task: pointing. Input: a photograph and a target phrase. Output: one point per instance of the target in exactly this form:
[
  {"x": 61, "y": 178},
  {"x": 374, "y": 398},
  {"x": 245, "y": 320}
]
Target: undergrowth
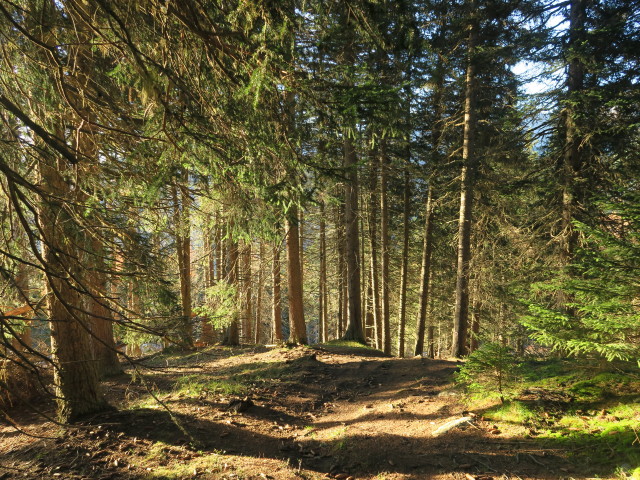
[{"x": 591, "y": 410}]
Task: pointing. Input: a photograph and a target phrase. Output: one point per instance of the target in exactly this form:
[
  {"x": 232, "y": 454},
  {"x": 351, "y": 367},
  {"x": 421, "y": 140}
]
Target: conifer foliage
[{"x": 185, "y": 173}]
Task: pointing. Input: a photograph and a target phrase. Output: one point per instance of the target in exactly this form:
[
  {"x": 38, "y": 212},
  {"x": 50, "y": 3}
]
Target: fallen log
[{"x": 451, "y": 425}]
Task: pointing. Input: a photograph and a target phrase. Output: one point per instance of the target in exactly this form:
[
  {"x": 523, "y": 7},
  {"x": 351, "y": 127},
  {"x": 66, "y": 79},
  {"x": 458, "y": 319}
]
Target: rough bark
[
  {"x": 430, "y": 341},
  {"x": 375, "y": 254},
  {"x": 425, "y": 273},
  {"x": 341, "y": 273},
  {"x": 76, "y": 378},
  {"x": 260, "y": 288},
  {"x": 352, "y": 246},
  {"x": 276, "y": 305},
  {"x": 322, "y": 286},
  {"x": 209, "y": 269},
  {"x": 104, "y": 346},
  {"x": 297, "y": 326},
  {"x": 384, "y": 244},
  {"x": 461, "y": 314},
  {"x": 181, "y": 203},
  {"x": 404, "y": 267},
  {"x": 246, "y": 294}
]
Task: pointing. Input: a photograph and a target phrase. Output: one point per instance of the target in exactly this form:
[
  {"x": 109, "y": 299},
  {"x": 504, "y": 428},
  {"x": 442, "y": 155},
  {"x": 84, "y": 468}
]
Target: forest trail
[{"x": 316, "y": 413}]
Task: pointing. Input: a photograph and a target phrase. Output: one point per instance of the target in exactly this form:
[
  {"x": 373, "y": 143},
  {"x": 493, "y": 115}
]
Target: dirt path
[{"x": 315, "y": 413}]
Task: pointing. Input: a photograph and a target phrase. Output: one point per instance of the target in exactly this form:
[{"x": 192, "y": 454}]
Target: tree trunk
[
  {"x": 246, "y": 294},
  {"x": 352, "y": 237},
  {"x": 341, "y": 274},
  {"x": 276, "y": 305},
  {"x": 461, "y": 314},
  {"x": 75, "y": 373},
  {"x": 322, "y": 287},
  {"x": 258, "y": 314},
  {"x": 430, "y": 342},
  {"x": 405, "y": 264},
  {"x": 375, "y": 254},
  {"x": 363, "y": 272},
  {"x": 425, "y": 273},
  {"x": 573, "y": 151},
  {"x": 301, "y": 243},
  {"x": 182, "y": 222},
  {"x": 298, "y": 329},
  {"x": 384, "y": 235},
  {"x": 104, "y": 345},
  {"x": 210, "y": 274}
]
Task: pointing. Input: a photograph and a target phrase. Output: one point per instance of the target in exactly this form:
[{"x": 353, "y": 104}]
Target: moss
[
  {"x": 511, "y": 412},
  {"x": 196, "y": 385}
]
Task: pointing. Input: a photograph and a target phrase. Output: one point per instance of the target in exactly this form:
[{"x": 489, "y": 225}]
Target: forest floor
[{"x": 315, "y": 413}]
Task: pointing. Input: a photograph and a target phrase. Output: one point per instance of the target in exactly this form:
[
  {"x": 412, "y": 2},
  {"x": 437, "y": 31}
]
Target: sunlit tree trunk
[
  {"x": 301, "y": 243},
  {"x": 104, "y": 346},
  {"x": 210, "y": 274},
  {"x": 246, "y": 294},
  {"x": 375, "y": 254},
  {"x": 402, "y": 314},
  {"x": 322, "y": 286},
  {"x": 276, "y": 302},
  {"x": 354, "y": 309},
  {"x": 183, "y": 246},
  {"x": 467, "y": 178},
  {"x": 75, "y": 369},
  {"x": 260, "y": 288},
  {"x": 425, "y": 273},
  {"x": 297, "y": 326},
  {"x": 384, "y": 244}
]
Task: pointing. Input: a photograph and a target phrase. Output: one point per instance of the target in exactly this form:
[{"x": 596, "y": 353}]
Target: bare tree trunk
[
  {"x": 209, "y": 269},
  {"x": 258, "y": 314},
  {"x": 352, "y": 236},
  {"x": 219, "y": 248},
  {"x": 467, "y": 180},
  {"x": 104, "y": 346},
  {"x": 384, "y": 235},
  {"x": 183, "y": 244},
  {"x": 405, "y": 264},
  {"x": 75, "y": 370},
  {"x": 430, "y": 342},
  {"x": 425, "y": 273},
  {"x": 246, "y": 294},
  {"x": 298, "y": 329},
  {"x": 373, "y": 240},
  {"x": 276, "y": 305},
  {"x": 134, "y": 307},
  {"x": 342, "y": 284},
  {"x": 322, "y": 287},
  {"x": 363, "y": 272},
  {"x": 301, "y": 243}
]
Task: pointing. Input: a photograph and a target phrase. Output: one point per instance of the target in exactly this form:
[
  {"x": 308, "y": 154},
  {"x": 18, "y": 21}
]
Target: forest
[{"x": 451, "y": 181}]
